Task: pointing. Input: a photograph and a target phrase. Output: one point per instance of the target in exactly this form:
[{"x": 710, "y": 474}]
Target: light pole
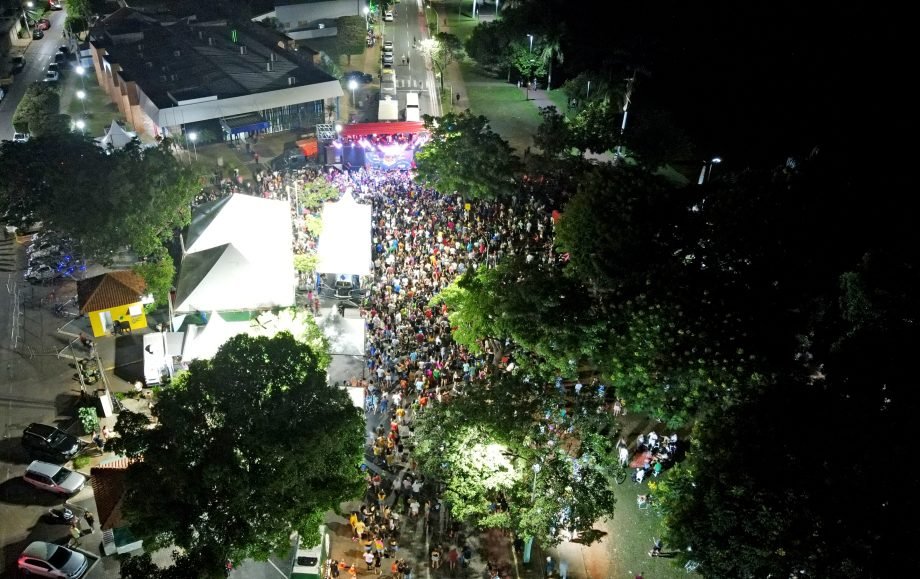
[
  {"x": 82, "y": 126},
  {"x": 706, "y": 173},
  {"x": 25, "y": 14},
  {"x": 530, "y": 36},
  {"x": 81, "y": 94},
  {"x": 193, "y": 136},
  {"x": 80, "y": 72},
  {"x": 367, "y": 24},
  {"x": 353, "y": 85}
]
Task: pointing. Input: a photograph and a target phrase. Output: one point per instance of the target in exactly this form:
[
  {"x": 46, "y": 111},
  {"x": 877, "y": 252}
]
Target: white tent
[
  {"x": 116, "y": 136},
  {"x": 239, "y": 256},
  {"x": 345, "y": 242},
  {"x": 202, "y": 343}
]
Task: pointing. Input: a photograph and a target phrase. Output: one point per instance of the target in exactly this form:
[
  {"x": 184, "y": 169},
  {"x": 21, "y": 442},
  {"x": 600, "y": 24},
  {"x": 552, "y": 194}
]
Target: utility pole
[{"x": 627, "y": 98}]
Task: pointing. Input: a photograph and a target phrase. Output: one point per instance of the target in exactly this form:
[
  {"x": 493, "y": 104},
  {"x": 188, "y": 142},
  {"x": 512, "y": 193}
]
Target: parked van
[
  {"x": 412, "y": 109},
  {"x": 310, "y": 562}
]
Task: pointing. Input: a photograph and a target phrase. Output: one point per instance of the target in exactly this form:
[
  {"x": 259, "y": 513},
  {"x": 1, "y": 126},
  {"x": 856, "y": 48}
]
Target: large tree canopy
[
  {"x": 515, "y": 455},
  {"x": 107, "y": 200},
  {"x": 247, "y": 448},
  {"x": 465, "y": 156}
]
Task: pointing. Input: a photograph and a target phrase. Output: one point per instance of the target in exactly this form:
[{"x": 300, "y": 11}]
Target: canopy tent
[
  {"x": 345, "y": 242},
  {"x": 239, "y": 256},
  {"x": 116, "y": 136},
  {"x": 202, "y": 342},
  {"x": 366, "y": 129}
]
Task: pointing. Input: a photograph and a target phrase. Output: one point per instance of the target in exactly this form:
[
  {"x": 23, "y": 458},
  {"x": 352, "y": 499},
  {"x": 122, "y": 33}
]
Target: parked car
[
  {"x": 37, "y": 34},
  {"x": 55, "y": 5},
  {"x": 51, "y": 560},
  {"x": 388, "y": 45},
  {"x": 43, "y": 24},
  {"x": 388, "y": 16},
  {"x": 52, "y": 76},
  {"x": 54, "y": 478},
  {"x": 49, "y": 443},
  {"x": 41, "y": 272},
  {"x": 20, "y": 137},
  {"x": 361, "y": 77},
  {"x": 388, "y": 58},
  {"x": 2, "y": 94},
  {"x": 18, "y": 63}
]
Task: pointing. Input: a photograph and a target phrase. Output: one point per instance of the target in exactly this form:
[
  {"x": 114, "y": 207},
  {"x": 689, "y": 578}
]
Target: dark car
[
  {"x": 50, "y": 443},
  {"x": 358, "y": 76},
  {"x": 37, "y": 34},
  {"x": 18, "y": 63}
]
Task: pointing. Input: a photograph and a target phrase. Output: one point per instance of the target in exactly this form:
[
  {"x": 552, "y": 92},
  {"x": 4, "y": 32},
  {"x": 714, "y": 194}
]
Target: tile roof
[
  {"x": 109, "y": 290},
  {"x": 109, "y": 489}
]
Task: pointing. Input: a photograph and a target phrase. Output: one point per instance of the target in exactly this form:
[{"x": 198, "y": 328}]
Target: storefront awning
[
  {"x": 365, "y": 129},
  {"x": 248, "y": 123}
]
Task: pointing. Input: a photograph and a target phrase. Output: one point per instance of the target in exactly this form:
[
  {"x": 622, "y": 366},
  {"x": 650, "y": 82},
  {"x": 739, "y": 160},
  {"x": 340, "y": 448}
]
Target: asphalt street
[
  {"x": 407, "y": 28},
  {"x": 38, "y": 55}
]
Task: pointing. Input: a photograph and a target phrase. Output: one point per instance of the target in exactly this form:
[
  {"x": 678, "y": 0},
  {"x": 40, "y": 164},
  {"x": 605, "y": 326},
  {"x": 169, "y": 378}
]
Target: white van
[{"x": 412, "y": 110}]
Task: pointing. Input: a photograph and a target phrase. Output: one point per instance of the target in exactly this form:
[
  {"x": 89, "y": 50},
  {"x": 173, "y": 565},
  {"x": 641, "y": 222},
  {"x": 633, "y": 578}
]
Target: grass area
[
  {"x": 460, "y": 22},
  {"x": 509, "y": 114},
  {"x": 631, "y": 532},
  {"x": 559, "y": 99},
  {"x": 99, "y": 112}
]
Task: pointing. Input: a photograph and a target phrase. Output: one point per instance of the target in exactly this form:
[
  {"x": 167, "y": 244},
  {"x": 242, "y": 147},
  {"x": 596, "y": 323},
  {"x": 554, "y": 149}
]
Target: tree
[
  {"x": 159, "y": 272},
  {"x": 465, "y": 156},
  {"x": 351, "y": 35},
  {"x": 488, "y": 44},
  {"x": 107, "y": 200},
  {"x": 514, "y": 455},
  {"x": 442, "y": 50},
  {"x": 40, "y": 102},
  {"x": 247, "y": 448}
]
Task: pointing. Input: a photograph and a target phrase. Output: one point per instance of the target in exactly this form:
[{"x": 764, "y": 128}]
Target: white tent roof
[
  {"x": 202, "y": 343},
  {"x": 345, "y": 242},
  {"x": 116, "y": 136},
  {"x": 239, "y": 257}
]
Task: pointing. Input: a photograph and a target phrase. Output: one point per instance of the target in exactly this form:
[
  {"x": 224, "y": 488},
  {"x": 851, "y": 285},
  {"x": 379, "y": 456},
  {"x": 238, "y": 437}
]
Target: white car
[
  {"x": 388, "y": 16},
  {"x": 20, "y": 137},
  {"x": 388, "y": 46},
  {"x": 54, "y": 478},
  {"x": 50, "y": 560},
  {"x": 388, "y": 58},
  {"x": 52, "y": 76}
]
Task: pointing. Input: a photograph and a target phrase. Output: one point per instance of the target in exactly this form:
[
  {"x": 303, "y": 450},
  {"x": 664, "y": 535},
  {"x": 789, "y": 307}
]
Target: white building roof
[{"x": 345, "y": 242}]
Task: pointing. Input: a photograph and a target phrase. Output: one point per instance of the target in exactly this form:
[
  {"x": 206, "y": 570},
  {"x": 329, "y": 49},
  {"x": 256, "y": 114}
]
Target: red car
[
  {"x": 54, "y": 5},
  {"x": 43, "y": 24}
]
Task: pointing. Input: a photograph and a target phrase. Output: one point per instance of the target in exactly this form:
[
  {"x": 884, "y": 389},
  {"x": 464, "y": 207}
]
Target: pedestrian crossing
[
  {"x": 410, "y": 83},
  {"x": 8, "y": 254}
]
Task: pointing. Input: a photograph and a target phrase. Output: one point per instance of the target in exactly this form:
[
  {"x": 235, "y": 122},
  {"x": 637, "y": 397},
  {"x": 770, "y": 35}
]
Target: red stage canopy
[{"x": 366, "y": 129}]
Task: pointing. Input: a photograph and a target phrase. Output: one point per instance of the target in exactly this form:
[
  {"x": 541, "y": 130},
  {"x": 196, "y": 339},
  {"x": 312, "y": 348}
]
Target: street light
[
  {"x": 353, "y": 85},
  {"x": 367, "y": 25},
  {"x": 81, "y": 94},
  {"x": 80, "y": 72},
  {"x": 25, "y": 15},
  {"x": 530, "y": 36},
  {"x": 193, "y": 136},
  {"x": 81, "y": 125},
  {"x": 706, "y": 173}
]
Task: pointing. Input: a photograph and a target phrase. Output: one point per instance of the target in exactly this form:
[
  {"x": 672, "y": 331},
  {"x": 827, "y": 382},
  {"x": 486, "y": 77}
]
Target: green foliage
[
  {"x": 527, "y": 63},
  {"x": 88, "y": 419},
  {"x": 81, "y": 462},
  {"x": 510, "y": 454},
  {"x": 443, "y": 49},
  {"x": 313, "y": 225},
  {"x": 465, "y": 156},
  {"x": 78, "y": 8},
  {"x": 317, "y": 192},
  {"x": 159, "y": 272},
  {"x": 38, "y": 109},
  {"x": 108, "y": 200},
  {"x": 351, "y": 35},
  {"x": 248, "y": 447},
  {"x": 488, "y": 44},
  {"x": 305, "y": 262}
]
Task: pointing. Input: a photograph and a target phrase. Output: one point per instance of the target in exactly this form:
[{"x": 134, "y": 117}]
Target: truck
[{"x": 412, "y": 110}]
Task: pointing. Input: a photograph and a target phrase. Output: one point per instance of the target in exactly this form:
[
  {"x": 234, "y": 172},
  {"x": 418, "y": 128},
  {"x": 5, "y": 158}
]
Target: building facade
[{"x": 167, "y": 76}]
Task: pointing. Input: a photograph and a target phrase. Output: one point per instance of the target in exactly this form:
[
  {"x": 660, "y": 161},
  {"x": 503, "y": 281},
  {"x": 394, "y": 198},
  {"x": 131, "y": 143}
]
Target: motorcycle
[{"x": 59, "y": 516}]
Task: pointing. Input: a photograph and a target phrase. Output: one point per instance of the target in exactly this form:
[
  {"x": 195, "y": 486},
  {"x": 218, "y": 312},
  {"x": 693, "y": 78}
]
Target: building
[
  {"x": 302, "y": 19},
  {"x": 113, "y": 298},
  {"x": 170, "y": 75},
  {"x": 108, "y": 480}
]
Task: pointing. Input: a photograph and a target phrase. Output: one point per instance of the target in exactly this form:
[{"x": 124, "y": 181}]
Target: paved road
[
  {"x": 38, "y": 54},
  {"x": 409, "y": 26}
]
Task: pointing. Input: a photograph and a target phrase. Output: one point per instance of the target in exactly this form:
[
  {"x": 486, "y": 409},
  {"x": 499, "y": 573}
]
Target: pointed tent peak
[
  {"x": 201, "y": 265},
  {"x": 223, "y": 221}
]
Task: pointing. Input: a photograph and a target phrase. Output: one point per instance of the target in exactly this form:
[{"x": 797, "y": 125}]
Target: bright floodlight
[
  {"x": 81, "y": 95},
  {"x": 717, "y": 159},
  {"x": 352, "y": 84},
  {"x": 80, "y": 70},
  {"x": 29, "y": 4},
  {"x": 338, "y": 128},
  {"x": 366, "y": 10},
  {"x": 80, "y": 124},
  {"x": 193, "y": 136}
]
